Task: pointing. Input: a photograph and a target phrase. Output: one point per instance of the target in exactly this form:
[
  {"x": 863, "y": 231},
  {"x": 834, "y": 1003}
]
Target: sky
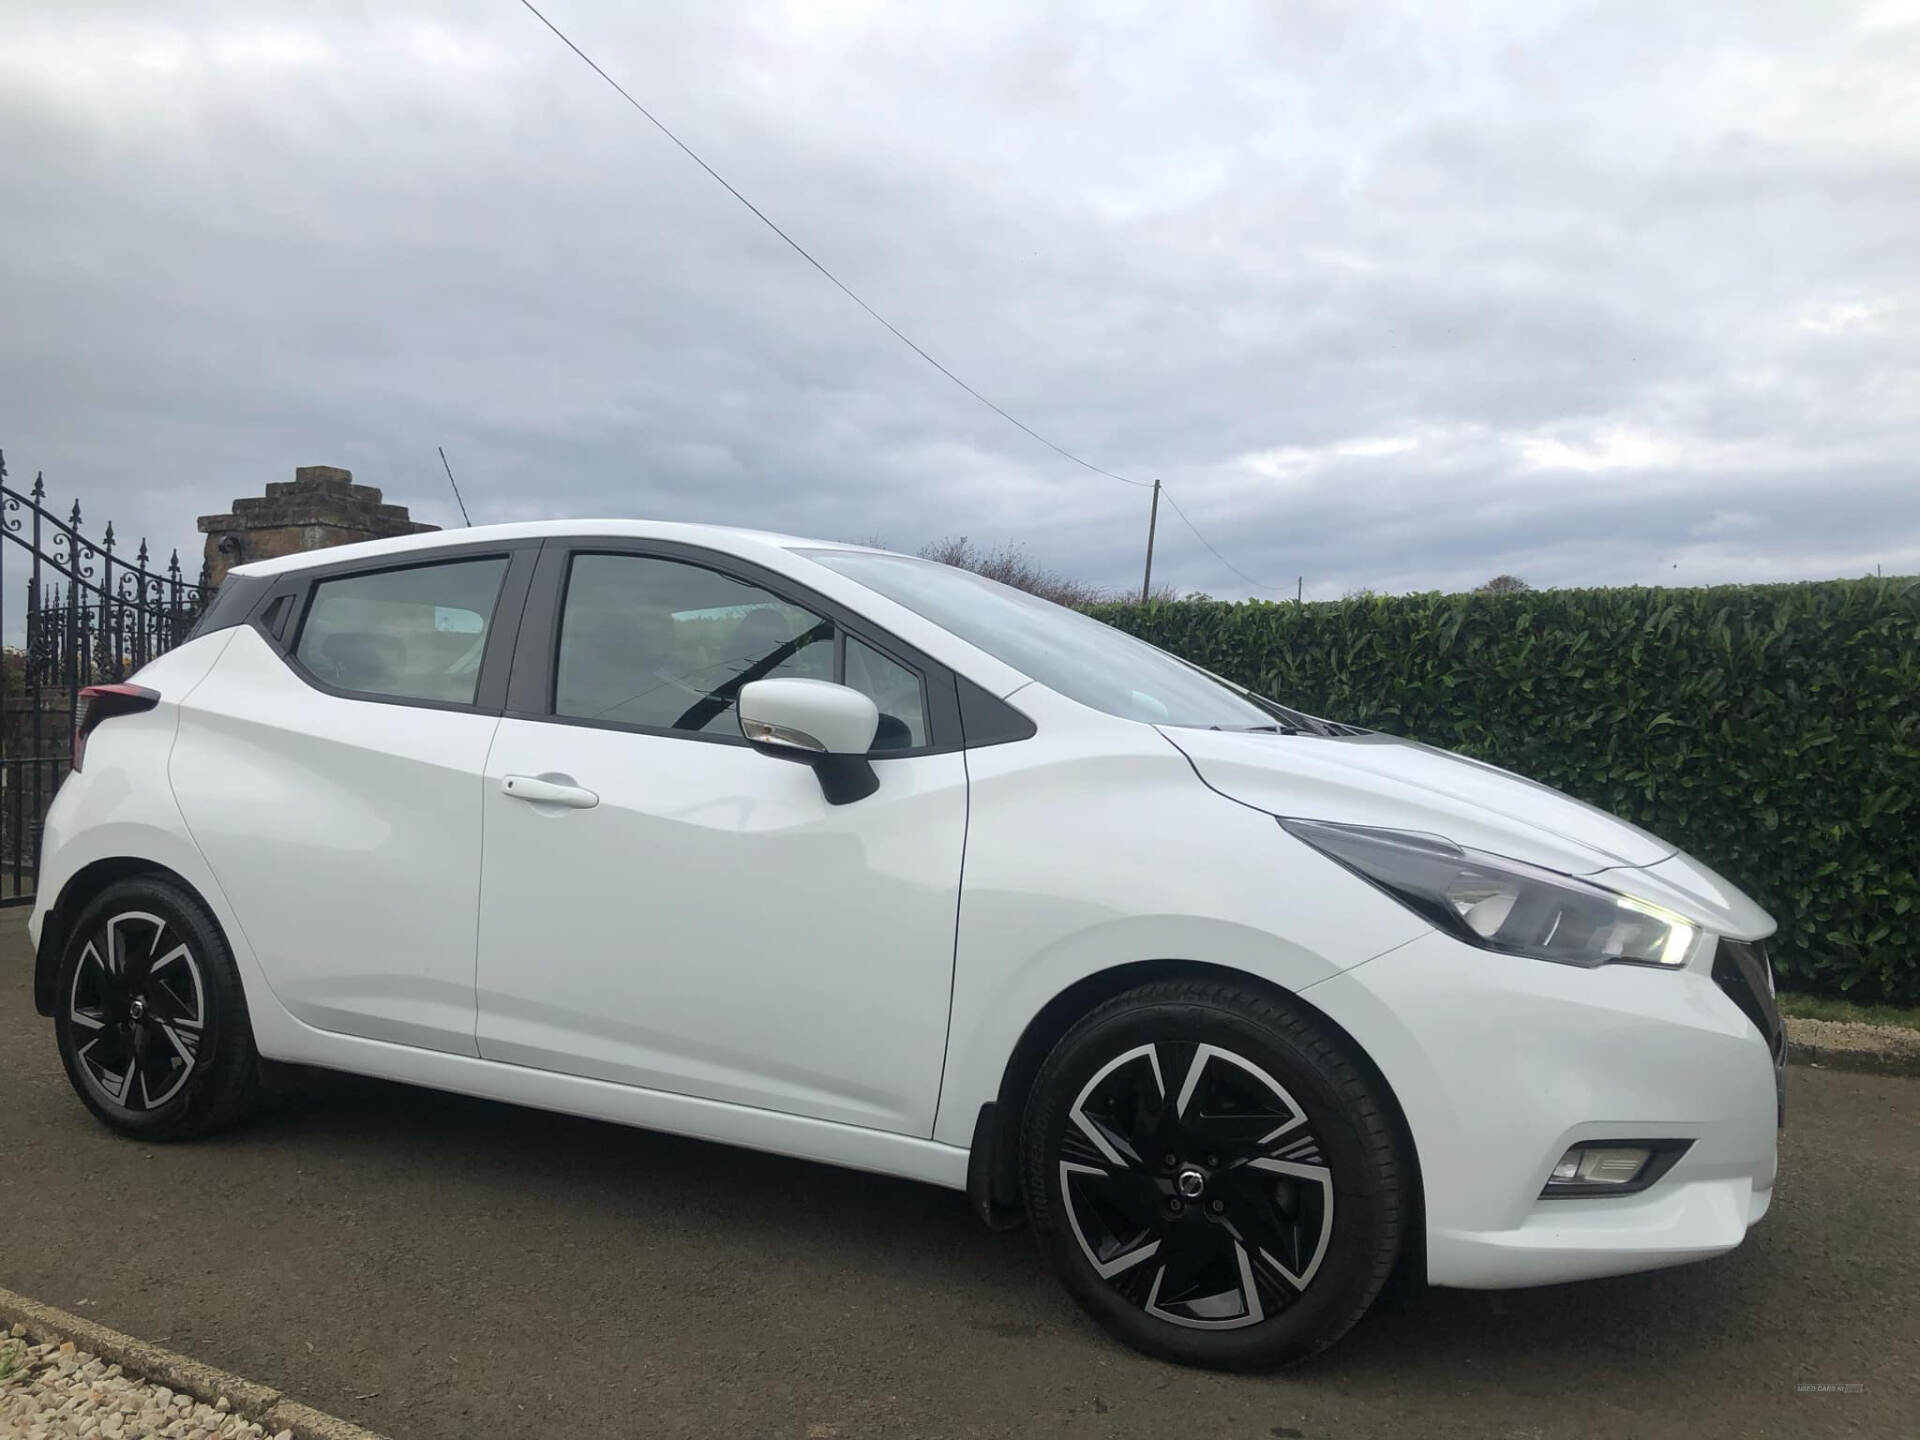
[{"x": 1394, "y": 296}]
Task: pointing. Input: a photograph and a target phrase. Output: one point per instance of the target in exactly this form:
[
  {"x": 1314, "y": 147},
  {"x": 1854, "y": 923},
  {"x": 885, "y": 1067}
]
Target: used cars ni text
[{"x": 864, "y": 859}]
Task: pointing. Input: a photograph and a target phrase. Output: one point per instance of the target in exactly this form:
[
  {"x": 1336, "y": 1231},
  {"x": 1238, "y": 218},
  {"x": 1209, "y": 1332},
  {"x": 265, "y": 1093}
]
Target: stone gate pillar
[{"x": 320, "y": 506}]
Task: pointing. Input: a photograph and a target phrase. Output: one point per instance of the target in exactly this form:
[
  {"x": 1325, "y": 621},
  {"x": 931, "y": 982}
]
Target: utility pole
[
  {"x": 1153, "y": 521},
  {"x": 1299, "y": 588}
]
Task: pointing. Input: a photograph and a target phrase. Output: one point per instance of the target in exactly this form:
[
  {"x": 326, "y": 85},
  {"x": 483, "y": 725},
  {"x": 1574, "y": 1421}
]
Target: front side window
[
  {"x": 895, "y": 690},
  {"x": 413, "y": 634},
  {"x": 668, "y": 645}
]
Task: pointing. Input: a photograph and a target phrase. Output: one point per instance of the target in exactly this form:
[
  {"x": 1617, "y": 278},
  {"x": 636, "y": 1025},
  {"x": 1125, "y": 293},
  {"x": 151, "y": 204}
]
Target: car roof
[
  {"x": 774, "y": 551},
  {"x": 732, "y": 538}
]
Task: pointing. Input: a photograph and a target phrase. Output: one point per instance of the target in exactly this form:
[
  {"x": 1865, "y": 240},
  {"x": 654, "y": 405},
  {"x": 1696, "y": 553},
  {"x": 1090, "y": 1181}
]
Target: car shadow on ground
[{"x": 555, "y": 1166}]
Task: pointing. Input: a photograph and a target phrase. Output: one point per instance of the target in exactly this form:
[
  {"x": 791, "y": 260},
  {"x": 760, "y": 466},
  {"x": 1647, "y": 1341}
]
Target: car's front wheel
[
  {"x": 149, "y": 1016},
  {"x": 1214, "y": 1175}
]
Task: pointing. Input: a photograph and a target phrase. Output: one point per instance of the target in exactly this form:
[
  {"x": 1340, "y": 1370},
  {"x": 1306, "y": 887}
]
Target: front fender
[{"x": 1094, "y": 846}]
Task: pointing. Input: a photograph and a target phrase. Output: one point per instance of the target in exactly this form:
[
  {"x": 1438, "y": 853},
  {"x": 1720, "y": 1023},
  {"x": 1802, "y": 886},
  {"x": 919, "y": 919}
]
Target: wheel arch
[
  {"x": 993, "y": 1174},
  {"x": 85, "y": 883}
]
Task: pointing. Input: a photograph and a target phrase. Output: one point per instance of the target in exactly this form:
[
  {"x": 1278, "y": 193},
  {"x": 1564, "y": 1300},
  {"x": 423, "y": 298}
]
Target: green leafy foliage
[{"x": 1772, "y": 731}]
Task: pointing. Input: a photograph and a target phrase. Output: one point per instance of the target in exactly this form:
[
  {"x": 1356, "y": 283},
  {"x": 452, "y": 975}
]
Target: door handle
[{"x": 541, "y": 791}]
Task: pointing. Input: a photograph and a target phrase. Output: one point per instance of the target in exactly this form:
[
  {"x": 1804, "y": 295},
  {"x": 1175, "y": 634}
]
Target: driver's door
[{"x": 676, "y": 910}]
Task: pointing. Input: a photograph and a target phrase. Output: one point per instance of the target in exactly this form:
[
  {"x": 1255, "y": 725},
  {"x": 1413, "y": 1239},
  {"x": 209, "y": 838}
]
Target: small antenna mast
[{"x": 456, "y": 488}]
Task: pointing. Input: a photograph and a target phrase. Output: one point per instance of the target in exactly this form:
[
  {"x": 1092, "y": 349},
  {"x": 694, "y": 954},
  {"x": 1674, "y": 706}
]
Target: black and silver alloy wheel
[
  {"x": 150, "y": 1018},
  {"x": 1215, "y": 1176},
  {"x": 1194, "y": 1185},
  {"x": 137, "y": 1006}
]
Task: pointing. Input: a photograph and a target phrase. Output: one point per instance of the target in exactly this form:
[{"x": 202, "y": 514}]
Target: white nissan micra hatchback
[{"x": 864, "y": 859}]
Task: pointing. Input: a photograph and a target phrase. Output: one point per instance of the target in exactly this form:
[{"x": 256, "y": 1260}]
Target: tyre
[
  {"x": 1213, "y": 1175},
  {"x": 149, "y": 1015}
]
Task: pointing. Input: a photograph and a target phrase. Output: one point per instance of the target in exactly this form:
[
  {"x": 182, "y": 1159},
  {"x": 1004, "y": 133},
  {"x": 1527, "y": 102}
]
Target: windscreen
[{"x": 1061, "y": 648}]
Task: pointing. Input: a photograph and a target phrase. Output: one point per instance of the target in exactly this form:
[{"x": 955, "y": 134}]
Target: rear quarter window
[{"x": 413, "y": 634}]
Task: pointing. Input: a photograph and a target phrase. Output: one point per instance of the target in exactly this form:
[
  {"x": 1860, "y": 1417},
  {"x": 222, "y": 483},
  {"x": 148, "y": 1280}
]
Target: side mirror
[{"x": 830, "y": 727}]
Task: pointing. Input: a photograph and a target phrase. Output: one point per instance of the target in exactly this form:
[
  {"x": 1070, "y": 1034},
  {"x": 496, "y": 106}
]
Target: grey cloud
[{"x": 1175, "y": 241}]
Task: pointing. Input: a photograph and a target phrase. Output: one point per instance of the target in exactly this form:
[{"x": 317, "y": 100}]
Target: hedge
[{"x": 1769, "y": 730}]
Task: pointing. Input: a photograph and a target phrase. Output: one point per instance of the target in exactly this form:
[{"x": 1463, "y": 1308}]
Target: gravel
[
  {"x": 52, "y": 1392},
  {"x": 1851, "y": 1044}
]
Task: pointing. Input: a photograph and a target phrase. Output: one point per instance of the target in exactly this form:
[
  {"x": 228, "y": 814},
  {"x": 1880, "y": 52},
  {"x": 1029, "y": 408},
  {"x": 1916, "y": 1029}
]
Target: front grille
[{"x": 1742, "y": 971}]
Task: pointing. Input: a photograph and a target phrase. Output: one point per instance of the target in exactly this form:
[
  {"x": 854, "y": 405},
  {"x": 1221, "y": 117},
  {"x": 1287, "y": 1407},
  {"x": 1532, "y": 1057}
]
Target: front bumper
[{"x": 1500, "y": 1063}]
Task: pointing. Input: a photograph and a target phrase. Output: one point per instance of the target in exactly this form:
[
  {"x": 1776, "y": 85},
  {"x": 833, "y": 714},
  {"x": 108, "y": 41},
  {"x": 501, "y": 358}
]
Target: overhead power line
[
  {"x": 807, "y": 256},
  {"x": 1215, "y": 553},
  {"x": 852, "y": 295}
]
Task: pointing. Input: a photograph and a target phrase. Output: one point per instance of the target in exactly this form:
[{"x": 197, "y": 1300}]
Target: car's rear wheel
[
  {"x": 1214, "y": 1175},
  {"x": 149, "y": 1016}
]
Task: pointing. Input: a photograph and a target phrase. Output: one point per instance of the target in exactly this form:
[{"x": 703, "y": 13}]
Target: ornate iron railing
[{"x": 91, "y": 615}]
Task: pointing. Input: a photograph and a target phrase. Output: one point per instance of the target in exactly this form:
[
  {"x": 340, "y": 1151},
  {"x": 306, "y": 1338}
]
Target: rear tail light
[{"x": 103, "y": 702}]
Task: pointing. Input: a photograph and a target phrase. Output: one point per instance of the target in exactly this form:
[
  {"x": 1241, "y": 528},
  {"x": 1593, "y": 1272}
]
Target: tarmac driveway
[{"x": 430, "y": 1265}]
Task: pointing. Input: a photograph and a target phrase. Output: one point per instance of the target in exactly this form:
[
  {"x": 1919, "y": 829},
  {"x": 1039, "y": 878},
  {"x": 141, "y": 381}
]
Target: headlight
[{"x": 1506, "y": 905}]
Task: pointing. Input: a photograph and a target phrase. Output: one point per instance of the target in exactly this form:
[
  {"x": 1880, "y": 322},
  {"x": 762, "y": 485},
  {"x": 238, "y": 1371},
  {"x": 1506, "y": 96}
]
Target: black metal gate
[{"x": 91, "y": 617}]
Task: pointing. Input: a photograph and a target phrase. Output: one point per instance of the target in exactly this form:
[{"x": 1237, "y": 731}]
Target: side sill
[{"x": 879, "y": 1152}]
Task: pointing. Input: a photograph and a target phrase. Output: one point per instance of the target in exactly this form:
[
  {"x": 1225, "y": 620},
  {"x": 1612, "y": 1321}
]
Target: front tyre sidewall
[{"x": 1366, "y": 1223}]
